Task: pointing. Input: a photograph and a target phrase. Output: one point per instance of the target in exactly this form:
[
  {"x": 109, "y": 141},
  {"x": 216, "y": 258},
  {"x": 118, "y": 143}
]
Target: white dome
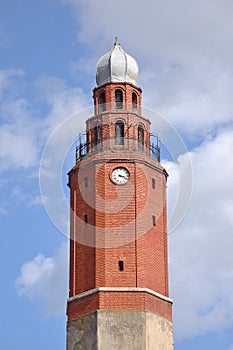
[{"x": 116, "y": 66}]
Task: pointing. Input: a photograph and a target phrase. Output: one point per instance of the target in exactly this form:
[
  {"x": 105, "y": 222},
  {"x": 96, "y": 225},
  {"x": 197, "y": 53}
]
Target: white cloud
[
  {"x": 23, "y": 134},
  {"x": 7, "y": 78},
  {"x": 25, "y": 197},
  {"x": 18, "y": 145},
  {"x": 35, "y": 200},
  {"x": 174, "y": 31},
  {"x": 3, "y": 211},
  {"x": 19, "y": 127},
  {"x": 23, "y": 130},
  {"x": 201, "y": 248},
  {"x": 5, "y": 39},
  {"x": 62, "y": 101},
  {"x": 183, "y": 50},
  {"x": 45, "y": 278}
]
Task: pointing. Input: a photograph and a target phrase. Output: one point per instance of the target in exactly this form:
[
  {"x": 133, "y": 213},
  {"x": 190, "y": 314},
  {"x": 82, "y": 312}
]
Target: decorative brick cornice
[{"x": 120, "y": 289}]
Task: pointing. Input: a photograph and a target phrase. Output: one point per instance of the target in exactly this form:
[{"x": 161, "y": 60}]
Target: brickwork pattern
[
  {"x": 119, "y": 219},
  {"x": 127, "y": 300},
  {"x": 109, "y": 89}
]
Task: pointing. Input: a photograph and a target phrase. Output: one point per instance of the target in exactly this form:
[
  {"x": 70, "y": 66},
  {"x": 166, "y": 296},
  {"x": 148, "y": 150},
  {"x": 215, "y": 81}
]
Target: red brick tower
[{"x": 118, "y": 241}]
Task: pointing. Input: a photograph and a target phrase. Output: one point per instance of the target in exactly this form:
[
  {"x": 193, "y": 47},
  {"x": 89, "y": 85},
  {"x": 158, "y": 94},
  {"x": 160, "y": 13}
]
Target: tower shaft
[{"x": 118, "y": 241}]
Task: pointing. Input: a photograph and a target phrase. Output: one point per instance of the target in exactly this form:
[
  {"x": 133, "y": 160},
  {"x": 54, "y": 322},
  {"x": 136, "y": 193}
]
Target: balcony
[{"x": 122, "y": 144}]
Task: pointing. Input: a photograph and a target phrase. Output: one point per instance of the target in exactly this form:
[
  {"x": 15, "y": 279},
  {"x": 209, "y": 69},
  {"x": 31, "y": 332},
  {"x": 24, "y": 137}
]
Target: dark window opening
[
  {"x": 97, "y": 135},
  {"x": 153, "y": 183},
  {"x": 102, "y": 102},
  {"x": 85, "y": 181},
  {"x": 119, "y": 133},
  {"x": 119, "y": 99},
  {"x": 153, "y": 220},
  {"x": 85, "y": 219},
  {"x": 141, "y": 137},
  {"x": 134, "y": 101},
  {"x": 121, "y": 265}
]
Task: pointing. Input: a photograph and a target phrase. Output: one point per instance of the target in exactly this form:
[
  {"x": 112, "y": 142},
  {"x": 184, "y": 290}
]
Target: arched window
[
  {"x": 102, "y": 102},
  {"x": 140, "y": 137},
  {"x": 134, "y": 102},
  {"x": 97, "y": 136},
  {"x": 119, "y": 133},
  {"x": 119, "y": 99}
]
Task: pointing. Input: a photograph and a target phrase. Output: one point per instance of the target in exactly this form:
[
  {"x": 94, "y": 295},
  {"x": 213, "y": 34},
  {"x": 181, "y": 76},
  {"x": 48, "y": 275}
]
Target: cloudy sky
[{"x": 48, "y": 54}]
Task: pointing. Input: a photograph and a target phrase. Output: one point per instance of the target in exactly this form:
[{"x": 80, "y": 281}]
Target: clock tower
[{"x": 118, "y": 297}]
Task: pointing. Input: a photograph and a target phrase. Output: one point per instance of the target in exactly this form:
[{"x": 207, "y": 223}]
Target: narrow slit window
[
  {"x": 140, "y": 137},
  {"x": 134, "y": 102},
  {"x": 119, "y": 133},
  {"x": 121, "y": 265},
  {"x": 85, "y": 181},
  {"x": 119, "y": 99},
  {"x": 97, "y": 135},
  {"x": 153, "y": 220},
  {"x": 153, "y": 183},
  {"x": 102, "y": 102},
  {"x": 85, "y": 219}
]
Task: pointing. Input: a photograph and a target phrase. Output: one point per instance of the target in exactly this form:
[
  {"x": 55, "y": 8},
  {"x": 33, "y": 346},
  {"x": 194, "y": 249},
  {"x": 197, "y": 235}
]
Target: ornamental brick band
[{"x": 119, "y": 299}]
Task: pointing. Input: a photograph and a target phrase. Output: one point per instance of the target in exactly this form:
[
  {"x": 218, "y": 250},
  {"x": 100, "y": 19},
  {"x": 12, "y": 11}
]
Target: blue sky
[{"x": 49, "y": 51}]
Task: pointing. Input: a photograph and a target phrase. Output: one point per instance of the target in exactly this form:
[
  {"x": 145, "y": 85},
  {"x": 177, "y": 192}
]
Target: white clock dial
[{"x": 120, "y": 175}]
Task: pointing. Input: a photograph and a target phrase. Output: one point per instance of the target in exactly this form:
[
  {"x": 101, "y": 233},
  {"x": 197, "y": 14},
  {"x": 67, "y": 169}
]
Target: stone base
[{"x": 118, "y": 330}]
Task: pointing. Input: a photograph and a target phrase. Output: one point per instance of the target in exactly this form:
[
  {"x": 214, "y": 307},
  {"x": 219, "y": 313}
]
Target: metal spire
[{"x": 116, "y": 41}]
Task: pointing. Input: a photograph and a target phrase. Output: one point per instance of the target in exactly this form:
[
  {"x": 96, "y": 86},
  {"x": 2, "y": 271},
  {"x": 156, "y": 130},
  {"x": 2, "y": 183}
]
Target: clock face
[{"x": 120, "y": 175}]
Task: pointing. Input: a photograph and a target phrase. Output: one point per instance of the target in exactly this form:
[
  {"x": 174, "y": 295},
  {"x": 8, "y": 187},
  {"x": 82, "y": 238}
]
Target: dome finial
[
  {"x": 116, "y": 66},
  {"x": 116, "y": 41}
]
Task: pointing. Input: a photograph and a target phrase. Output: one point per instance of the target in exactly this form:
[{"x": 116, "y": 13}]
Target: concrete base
[{"x": 117, "y": 330}]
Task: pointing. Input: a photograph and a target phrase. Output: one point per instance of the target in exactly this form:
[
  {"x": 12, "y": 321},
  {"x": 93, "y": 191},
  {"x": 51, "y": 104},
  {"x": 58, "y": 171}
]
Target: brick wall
[
  {"x": 113, "y": 224},
  {"x": 124, "y": 300},
  {"x": 109, "y": 89}
]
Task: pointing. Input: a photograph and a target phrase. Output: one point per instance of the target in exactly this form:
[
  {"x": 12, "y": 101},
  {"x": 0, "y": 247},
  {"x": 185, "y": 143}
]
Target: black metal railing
[{"x": 123, "y": 144}]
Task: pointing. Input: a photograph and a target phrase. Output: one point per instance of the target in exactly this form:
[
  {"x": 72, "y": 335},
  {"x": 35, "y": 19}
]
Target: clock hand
[{"x": 122, "y": 176}]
